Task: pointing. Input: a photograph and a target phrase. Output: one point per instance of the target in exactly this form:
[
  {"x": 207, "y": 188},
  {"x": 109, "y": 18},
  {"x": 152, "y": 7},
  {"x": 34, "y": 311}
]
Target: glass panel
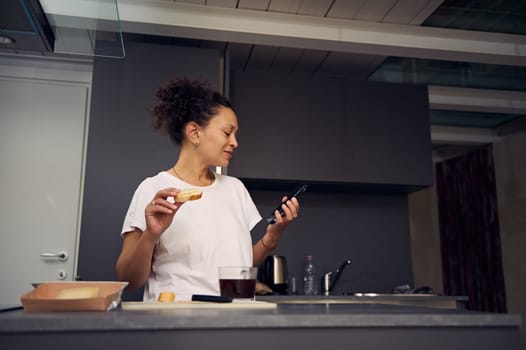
[
  {"x": 470, "y": 119},
  {"x": 486, "y": 16},
  {"x": 489, "y": 16},
  {"x": 448, "y": 73},
  {"x": 85, "y": 27}
]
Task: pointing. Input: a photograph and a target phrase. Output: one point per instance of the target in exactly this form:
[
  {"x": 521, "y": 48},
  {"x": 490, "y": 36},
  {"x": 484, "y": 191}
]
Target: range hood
[
  {"x": 26, "y": 24},
  {"x": 72, "y": 27}
]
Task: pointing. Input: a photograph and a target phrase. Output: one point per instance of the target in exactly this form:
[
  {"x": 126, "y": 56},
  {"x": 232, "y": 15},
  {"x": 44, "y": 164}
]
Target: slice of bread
[
  {"x": 166, "y": 297},
  {"x": 188, "y": 195}
]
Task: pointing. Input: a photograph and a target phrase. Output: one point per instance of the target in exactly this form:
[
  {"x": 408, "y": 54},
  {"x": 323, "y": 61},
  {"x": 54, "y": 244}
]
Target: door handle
[{"x": 62, "y": 256}]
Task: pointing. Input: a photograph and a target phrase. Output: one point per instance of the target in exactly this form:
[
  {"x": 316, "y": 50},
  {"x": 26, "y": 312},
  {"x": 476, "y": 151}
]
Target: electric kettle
[{"x": 274, "y": 274}]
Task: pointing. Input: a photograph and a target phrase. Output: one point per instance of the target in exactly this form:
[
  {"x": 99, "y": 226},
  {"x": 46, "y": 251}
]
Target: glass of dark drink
[{"x": 238, "y": 281}]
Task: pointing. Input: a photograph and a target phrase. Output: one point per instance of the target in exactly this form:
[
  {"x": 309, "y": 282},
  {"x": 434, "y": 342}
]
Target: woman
[{"x": 170, "y": 246}]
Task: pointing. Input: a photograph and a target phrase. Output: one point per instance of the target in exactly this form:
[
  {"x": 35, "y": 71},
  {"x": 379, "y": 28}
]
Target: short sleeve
[
  {"x": 252, "y": 214},
  {"x": 135, "y": 215}
]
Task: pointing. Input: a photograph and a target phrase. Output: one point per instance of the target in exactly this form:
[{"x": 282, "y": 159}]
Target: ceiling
[{"x": 471, "y": 53}]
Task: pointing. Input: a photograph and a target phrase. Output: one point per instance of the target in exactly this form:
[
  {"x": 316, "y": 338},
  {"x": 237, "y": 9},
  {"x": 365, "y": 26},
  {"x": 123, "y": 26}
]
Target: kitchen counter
[
  {"x": 309, "y": 326},
  {"x": 419, "y": 300}
]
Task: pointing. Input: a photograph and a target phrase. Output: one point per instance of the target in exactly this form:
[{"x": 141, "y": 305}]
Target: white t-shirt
[{"x": 205, "y": 234}]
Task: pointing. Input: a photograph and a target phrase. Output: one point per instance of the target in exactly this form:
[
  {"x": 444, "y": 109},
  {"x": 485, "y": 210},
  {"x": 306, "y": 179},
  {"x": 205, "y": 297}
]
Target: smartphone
[{"x": 300, "y": 189}]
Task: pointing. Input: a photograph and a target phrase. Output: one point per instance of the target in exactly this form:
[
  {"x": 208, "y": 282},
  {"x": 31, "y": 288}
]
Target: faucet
[{"x": 328, "y": 285}]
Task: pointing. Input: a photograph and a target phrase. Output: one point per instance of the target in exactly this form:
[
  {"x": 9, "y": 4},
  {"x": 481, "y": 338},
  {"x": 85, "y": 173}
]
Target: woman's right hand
[{"x": 160, "y": 212}]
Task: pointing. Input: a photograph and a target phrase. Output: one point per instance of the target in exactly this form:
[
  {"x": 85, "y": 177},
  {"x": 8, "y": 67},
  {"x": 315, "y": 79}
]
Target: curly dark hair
[{"x": 181, "y": 101}]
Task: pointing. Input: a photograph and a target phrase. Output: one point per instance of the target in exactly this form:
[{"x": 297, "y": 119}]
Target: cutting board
[{"x": 140, "y": 305}]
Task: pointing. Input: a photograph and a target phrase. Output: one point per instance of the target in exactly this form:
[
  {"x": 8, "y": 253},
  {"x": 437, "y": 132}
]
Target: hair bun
[{"x": 184, "y": 100}]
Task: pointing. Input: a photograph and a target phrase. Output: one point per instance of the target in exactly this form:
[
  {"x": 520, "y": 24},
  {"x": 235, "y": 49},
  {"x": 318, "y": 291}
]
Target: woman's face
[{"x": 218, "y": 138}]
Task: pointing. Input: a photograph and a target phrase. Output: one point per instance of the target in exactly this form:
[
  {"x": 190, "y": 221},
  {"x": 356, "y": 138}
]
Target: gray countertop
[
  {"x": 283, "y": 316},
  {"x": 287, "y": 326}
]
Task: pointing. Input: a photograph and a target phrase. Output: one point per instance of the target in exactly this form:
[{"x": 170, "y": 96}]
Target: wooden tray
[{"x": 44, "y": 297}]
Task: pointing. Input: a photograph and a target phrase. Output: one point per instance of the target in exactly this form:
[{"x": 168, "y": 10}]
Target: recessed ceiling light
[{"x": 5, "y": 40}]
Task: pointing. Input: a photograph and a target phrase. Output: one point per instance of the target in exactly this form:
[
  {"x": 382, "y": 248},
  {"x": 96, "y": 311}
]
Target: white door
[{"x": 42, "y": 132}]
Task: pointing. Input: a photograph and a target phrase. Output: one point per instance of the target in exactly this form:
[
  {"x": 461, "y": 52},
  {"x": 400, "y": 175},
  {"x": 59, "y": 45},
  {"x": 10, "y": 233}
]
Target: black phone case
[
  {"x": 211, "y": 298},
  {"x": 300, "y": 189}
]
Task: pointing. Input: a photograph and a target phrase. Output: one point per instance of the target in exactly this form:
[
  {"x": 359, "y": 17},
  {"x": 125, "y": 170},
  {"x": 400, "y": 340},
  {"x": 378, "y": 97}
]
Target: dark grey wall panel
[
  {"x": 123, "y": 148},
  {"x": 371, "y": 229},
  {"x": 331, "y": 130}
]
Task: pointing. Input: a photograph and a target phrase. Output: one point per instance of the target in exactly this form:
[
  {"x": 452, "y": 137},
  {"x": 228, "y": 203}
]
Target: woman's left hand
[
  {"x": 291, "y": 208},
  {"x": 270, "y": 239}
]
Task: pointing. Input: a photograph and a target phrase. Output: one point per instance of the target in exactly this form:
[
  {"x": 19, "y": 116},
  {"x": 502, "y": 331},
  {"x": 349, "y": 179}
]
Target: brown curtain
[{"x": 469, "y": 230}]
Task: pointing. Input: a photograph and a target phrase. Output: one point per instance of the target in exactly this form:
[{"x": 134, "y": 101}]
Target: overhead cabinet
[{"x": 331, "y": 131}]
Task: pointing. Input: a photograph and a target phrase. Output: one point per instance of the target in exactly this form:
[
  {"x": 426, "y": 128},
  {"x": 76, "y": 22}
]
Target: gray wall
[
  {"x": 425, "y": 239},
  {"x": 332, "y": 130},
  {"x": 332, "y": 133},
  {"x": 123, "y": 148},
  {"x": 371, "y": 229},
  {"x": 510, "y": 173}
]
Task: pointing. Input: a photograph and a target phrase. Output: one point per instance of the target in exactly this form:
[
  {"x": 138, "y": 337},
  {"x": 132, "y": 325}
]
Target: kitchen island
[{"x": 287, "y": 326}]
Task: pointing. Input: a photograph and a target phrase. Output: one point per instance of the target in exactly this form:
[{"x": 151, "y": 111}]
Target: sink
[
  {"x": 314, "y": 300},
  {"x": 424, "y": 300}
]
